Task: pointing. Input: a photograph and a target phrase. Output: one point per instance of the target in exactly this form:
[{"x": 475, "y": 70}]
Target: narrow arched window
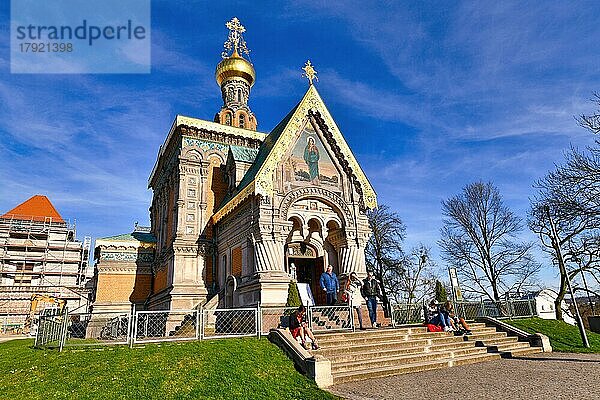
[
  {"x": 239, "y": 95},
  {"x": 228, "y": 119},
  {"x": 242, "y": 121}
]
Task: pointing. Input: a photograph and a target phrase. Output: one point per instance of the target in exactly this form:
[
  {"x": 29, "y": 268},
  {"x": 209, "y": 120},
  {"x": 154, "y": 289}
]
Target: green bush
[
  {"x": 293, "y": 299},
  {"x": 440, "y": 292}
]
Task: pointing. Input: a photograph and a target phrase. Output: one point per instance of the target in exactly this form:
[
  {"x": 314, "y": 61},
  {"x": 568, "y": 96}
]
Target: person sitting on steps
[
  {"x": 455, "y": 321},
  {"x": 299, "y": 328},
  {"x": 437, "y": 318}
]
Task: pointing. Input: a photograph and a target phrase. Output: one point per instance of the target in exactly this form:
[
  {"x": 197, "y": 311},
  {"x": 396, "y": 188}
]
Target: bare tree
[
  {"x": 479, "y": 238},
  {"x": 591, "y": 122},
  {"x": 417, "y": 277},
  {"x": 569, "y": 198},
  {"x": 384, "y": 249}
]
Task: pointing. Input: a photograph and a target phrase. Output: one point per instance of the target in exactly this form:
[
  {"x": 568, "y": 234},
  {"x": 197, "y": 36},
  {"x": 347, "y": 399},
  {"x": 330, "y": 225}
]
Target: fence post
[
  {"x": 202, "y": 322},
  {"x": 530, "y": 307},
  {"x": 37, "y": 334},
  {"x": 130, "y": 326},
  {"x": 135, "y": 328},
  {"x": 483, "y": 310},
  {"x": 257, "y": 320},
  {"x": 63, "y": 334},
  {"x": 198, "y": 323}
]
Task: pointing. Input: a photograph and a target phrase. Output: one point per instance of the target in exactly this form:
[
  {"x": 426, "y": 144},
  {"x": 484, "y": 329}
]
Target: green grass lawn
[
  {"x": 221, "y": 369},
  {"x": 563, "y": 337}
]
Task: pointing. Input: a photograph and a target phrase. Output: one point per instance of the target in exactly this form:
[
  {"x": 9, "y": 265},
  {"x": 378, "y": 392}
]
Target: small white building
[{"x": 544, "y": 304}]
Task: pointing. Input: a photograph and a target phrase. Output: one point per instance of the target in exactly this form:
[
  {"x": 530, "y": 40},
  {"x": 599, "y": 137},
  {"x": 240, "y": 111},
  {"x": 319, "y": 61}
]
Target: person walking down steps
[
  {"x": 371, "y": 290},
  {"x": 353, "y": 295}
]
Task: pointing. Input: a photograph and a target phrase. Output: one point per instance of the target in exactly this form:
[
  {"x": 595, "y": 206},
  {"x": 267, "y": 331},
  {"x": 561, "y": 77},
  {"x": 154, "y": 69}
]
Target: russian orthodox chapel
[{"x": 239, "y": 213}]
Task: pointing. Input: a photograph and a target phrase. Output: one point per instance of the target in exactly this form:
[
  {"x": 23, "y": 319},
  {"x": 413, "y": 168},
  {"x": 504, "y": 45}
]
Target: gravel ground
[{"x": 538, "y": 376}]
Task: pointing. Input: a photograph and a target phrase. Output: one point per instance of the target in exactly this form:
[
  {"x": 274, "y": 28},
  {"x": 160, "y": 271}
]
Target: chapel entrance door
[{"x": 309, "y": 270}]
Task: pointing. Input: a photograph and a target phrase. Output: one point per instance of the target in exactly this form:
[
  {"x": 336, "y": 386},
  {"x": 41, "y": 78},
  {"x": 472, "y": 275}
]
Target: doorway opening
[{"x": 309, "y": 270}]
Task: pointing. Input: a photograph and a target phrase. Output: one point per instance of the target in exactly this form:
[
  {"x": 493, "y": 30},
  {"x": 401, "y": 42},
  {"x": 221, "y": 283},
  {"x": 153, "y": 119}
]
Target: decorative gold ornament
[
  {"x": 235, "y": 44},
  {"x": 234, "y": 65},
  {"x": 309, "y": 72}
]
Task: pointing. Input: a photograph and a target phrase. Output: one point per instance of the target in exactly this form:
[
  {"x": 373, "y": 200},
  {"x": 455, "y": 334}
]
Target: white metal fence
[
  {"x": 138, "y": 327},
  {"x": 165, "y": 325},
  {"x": 403, "y": 314}
]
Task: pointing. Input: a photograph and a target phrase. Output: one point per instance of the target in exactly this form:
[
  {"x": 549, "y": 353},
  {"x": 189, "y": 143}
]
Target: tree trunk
[
  {"x": 563, "y": 280},
  {"x": 560, "y": 297}
]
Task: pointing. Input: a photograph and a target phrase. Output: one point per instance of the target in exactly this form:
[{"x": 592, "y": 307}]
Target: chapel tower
[{"x": 235, "y": 75}]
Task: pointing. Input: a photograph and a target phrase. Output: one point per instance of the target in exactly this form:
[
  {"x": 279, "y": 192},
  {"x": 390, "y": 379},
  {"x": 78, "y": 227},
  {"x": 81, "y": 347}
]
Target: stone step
[
  {"x": 521, "y": 352},
  {"x": 383, "y": 337},
  {"x": 341, "y": 367},
  {"x": 477, "y": 325},
  {"x": 408, "y": 368},
  {"x": 482, "y": 330},
  {"x": 498, "y": 341},
  {"x": 372, "y": 332},
  {"x": 485, "y": 336},
  {"x": 329, "y": 348},
  {"x": 508, "y": 347},
  {"x": 384, "y": 351}
]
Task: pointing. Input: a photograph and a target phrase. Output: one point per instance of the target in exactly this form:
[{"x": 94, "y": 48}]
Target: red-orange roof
[{"x": 38, "y": 208}]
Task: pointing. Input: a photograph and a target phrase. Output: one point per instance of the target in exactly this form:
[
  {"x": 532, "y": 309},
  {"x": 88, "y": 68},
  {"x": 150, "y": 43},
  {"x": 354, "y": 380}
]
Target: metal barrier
[
  {"x": 165, "y": 326},
  {"x": 82, "y": 329},
  {"x": 274, "y": 317},
  {"x": 407, "y": 313},
  {"x": 85, "y": 329},
  {"x": 51, "y": 330},
  {"x": 330, "y": 318},
  {"x": 470, "y": 310},
  {"x": 230, "y": 322}
]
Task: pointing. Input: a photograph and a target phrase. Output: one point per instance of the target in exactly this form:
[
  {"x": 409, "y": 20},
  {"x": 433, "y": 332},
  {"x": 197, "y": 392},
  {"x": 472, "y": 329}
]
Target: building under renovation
[{"x": 41, "y": 257}]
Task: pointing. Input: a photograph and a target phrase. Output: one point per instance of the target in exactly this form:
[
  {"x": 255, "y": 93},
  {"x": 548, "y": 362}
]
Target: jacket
[
  {"x": 329, "y": 282},
  {"x": 371, "y": 288},
  {"x": 354, "y": 292}
]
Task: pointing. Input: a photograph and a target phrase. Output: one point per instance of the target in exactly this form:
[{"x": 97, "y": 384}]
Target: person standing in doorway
[
  {"x": 330, "y": 284},
  {"x": 371, "y": 290}
]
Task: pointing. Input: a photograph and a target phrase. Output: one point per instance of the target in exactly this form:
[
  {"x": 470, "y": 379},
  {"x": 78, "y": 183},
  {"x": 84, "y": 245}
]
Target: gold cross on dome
[
  {"x": 235, "y": 44},
  {"x": 310, "y": 73},
  {"x": 234, "y": 25}
]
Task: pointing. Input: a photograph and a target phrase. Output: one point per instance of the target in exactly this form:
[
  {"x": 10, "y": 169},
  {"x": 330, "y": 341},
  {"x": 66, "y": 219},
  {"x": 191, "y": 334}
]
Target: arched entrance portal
[
  {"x": 304, "y": 262},
  {"x": 313, "y": 244}
]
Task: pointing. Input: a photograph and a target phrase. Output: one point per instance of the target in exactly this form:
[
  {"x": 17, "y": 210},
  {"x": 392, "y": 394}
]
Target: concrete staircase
[
  {"x": 500, "y": 342},
  {"x": 382, "y": 352}
]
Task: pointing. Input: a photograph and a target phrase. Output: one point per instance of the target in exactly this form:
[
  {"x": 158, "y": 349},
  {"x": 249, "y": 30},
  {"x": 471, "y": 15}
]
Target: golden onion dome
[{"x": 235, "y": 66}]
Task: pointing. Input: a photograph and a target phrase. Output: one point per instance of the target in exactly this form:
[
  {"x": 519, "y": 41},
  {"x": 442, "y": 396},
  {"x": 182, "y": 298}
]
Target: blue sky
[{"x": 429, "y": 95}]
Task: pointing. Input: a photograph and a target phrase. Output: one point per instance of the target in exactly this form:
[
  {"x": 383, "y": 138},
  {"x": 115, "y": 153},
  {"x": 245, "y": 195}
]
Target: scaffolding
[{"x": 39, "y": 255}]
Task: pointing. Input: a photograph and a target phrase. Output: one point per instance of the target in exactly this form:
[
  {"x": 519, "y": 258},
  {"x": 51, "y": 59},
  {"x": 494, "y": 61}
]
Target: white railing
[
  {"x": 404, "y": 313},
  {"x": 165, "y": 326}
]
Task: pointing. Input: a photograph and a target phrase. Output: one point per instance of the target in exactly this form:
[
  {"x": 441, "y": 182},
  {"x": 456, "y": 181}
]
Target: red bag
[{"x": 434, "y": 328}]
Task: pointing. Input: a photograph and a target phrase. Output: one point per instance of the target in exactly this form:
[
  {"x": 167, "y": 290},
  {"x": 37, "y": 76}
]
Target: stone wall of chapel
[{"x": 234, "y": 242}]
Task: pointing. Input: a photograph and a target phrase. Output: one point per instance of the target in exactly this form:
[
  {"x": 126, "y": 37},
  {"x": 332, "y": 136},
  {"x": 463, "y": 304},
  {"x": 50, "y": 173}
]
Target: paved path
[
  {"x": 539, "y": 376},
  {"x": 12, "y": 337}
]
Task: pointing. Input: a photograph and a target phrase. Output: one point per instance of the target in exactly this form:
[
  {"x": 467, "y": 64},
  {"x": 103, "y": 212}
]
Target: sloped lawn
[
  {"x": 246, "y": 368},
  {"x": 563, "y": 337}
]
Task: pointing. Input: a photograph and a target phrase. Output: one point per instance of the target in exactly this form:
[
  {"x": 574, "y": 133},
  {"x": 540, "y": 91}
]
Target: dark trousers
[
  {"x": 372, "y": 307},
  {"x": 331, "y": 298}
]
